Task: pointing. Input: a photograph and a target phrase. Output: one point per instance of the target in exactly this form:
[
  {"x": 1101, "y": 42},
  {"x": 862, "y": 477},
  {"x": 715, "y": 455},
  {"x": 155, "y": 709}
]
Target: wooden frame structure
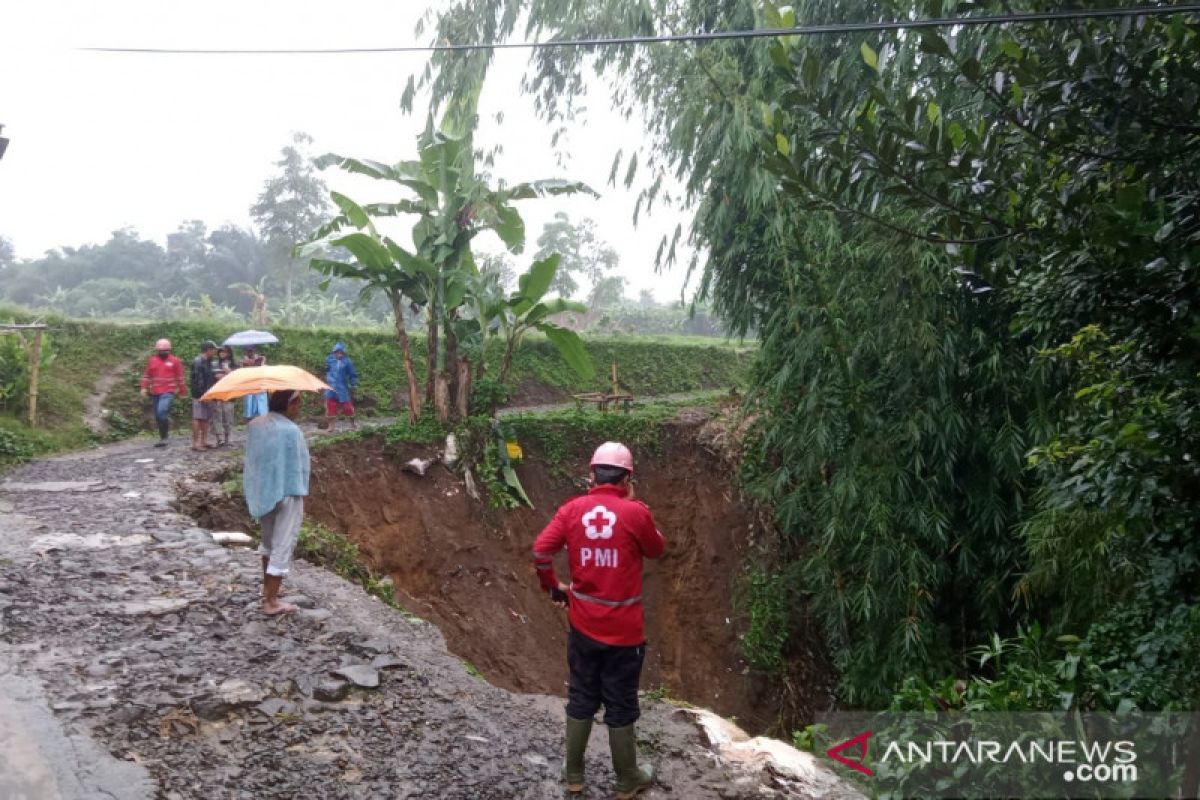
[
  {"x": 34, "y": 351},
  {"x": 617, "y": 399}
]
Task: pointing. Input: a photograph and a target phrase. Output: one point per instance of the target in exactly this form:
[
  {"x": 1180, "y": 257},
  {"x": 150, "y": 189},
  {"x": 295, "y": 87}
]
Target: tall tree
[
  {"x": 8, "y": 254},
  {"x": 501, "y": 268},
  {"x": 235, "y": 256},
  {"x": 187, "y": 257},
  {"x": 291, "y": 207},
  {"x": 187, "y": 247},
  {"x": 583, "y": 254},
  {"x": 607, "y": 293}
]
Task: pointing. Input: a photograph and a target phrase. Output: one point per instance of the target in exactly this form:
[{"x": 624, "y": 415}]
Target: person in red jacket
[
  {"x": 607, "y": 533},
  {"x": 163, "y": 380}
]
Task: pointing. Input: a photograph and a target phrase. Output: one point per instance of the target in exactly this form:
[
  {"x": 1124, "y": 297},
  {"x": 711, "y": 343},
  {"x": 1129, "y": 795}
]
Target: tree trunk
[
  {"x": 414, "y": 397},
  {"x": 506, "y": 362},
  {"x": 289, "y": 272},
  {"x": 441, "y": 398},
  {"x": 462, "y": 389},
  {"x": 431, "y": 359},
  {"x": 450, "y": 362}
]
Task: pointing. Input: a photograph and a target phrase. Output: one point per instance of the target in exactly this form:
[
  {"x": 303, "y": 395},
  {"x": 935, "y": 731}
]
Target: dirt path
[
  {"x": 93, "y": 405},
  {"x": 678, "y": 397},
  {"x": 130, "y": 629}
]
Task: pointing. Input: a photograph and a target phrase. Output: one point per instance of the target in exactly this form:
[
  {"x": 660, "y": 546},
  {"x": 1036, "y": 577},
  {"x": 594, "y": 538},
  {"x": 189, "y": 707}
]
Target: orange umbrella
[{"x": 253, "y": 380}]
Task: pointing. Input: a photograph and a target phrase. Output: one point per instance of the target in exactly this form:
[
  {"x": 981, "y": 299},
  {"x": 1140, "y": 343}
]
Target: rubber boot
[
  {"x": 164, "y": 430},
  {"x": 578, "y": 733},
  {"x": 332, "y": 424},
  {"x": 632, "y": 777}
]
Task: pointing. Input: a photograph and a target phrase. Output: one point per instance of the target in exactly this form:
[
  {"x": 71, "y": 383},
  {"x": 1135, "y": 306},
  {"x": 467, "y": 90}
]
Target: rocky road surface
[{"x": 134, "y": 663}]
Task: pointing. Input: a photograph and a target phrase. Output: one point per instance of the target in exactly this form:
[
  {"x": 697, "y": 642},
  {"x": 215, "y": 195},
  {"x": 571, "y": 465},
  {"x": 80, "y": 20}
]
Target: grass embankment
[{"x": 85, "y": 351}]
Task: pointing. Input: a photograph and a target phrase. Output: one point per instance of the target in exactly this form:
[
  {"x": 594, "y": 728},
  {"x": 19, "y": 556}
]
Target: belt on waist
[{"x": 587, "y": 598}]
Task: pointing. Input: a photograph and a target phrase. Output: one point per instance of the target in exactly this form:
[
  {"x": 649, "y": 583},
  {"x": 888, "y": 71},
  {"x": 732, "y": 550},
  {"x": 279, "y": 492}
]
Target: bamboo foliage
[{"x": 971, "y": 256}]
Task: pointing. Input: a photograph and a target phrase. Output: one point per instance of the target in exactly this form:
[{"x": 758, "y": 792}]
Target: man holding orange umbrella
[
  {"x": 275, "y": 477},
  {"x": 276, "y": 483}
]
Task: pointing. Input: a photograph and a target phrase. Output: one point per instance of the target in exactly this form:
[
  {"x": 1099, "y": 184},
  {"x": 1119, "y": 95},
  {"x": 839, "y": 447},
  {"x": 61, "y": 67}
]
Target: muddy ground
[{"x": 135, "y": 635}]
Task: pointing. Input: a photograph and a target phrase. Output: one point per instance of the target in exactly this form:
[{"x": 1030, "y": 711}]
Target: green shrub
[
  {"x": 426, "y": 430},
  {"x": 14, "y": 448},
  {"x": 15, "y": 372},
  {"x": 487, "y": 395}
]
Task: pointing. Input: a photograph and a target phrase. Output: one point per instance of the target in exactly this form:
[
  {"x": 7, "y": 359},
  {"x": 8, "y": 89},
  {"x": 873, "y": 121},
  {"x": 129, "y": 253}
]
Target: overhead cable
[{"x": 709, "y": 36}]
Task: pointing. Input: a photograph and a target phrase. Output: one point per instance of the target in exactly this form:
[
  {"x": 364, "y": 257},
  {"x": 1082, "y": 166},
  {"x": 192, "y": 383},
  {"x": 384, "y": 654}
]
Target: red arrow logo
[{"x": 859, "y": 762}]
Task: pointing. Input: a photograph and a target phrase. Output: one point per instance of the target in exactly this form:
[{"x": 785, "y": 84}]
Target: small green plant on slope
[
  {"x": 341, "y": 556},
  {"x": 426, "y": 429},
  {"x": 765, "y": 600},
  {"x": 234, "y": 485}
]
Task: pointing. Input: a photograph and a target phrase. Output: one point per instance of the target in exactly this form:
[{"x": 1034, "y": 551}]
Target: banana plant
[
  {"x": 510, "y": 317},
  {"x": 452, "y": 204},
  {"x": 383, "y": 267},
  {"x": 258, "y": 295}
]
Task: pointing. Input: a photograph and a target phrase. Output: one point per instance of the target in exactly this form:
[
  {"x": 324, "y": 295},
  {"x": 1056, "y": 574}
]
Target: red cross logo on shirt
[{"x": 598, "y": 523}]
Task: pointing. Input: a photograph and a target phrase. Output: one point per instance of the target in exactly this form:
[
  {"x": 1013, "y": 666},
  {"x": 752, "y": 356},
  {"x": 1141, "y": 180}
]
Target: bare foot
[{"x": 277, "y": 608}]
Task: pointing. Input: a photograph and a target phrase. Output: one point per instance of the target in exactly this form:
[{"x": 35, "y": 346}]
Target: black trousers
[{"x": 602, "y": 673}]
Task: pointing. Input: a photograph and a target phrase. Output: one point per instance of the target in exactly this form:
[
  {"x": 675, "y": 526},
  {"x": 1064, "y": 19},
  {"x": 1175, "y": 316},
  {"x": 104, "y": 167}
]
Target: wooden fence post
[{"x": 35, "y": 364}]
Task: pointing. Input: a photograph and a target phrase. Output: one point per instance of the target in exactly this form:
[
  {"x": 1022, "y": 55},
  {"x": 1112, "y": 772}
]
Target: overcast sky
[{"x": 102, "y": 141}]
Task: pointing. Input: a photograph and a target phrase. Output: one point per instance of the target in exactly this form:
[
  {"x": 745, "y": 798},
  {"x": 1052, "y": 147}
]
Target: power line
[{"x": 759, "y": 33}]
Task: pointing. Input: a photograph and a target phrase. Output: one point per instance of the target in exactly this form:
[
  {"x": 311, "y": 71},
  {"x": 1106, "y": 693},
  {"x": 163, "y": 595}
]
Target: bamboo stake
[{"x": 35, "y": 363}]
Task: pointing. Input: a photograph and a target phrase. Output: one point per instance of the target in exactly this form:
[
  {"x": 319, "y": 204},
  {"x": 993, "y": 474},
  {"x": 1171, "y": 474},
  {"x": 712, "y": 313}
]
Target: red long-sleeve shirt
[
  {"x": 164, "y": 375},
  {"x": 606, "y": 537}
]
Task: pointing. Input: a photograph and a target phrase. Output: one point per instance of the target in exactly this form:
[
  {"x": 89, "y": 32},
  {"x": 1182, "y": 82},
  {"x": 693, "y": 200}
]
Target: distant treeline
[
  {"x": 229, "y": 273},
  {"x": 204, "y": 274}
]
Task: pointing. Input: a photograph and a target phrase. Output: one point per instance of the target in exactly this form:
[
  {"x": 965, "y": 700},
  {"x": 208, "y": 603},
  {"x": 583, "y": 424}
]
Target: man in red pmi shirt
[{"x": 607, "y": 533}]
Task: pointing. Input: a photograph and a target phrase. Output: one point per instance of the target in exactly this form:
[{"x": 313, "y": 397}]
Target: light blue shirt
[{"x": 277, "y": 463}]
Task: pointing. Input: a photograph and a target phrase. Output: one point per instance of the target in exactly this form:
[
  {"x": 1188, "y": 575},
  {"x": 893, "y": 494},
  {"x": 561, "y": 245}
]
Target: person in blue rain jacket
[{"x": 343, "y": 377}]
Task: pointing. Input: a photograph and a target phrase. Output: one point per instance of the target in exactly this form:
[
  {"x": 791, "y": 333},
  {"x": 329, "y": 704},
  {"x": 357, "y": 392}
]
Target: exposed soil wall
[{"x": 467, "y": 568}]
